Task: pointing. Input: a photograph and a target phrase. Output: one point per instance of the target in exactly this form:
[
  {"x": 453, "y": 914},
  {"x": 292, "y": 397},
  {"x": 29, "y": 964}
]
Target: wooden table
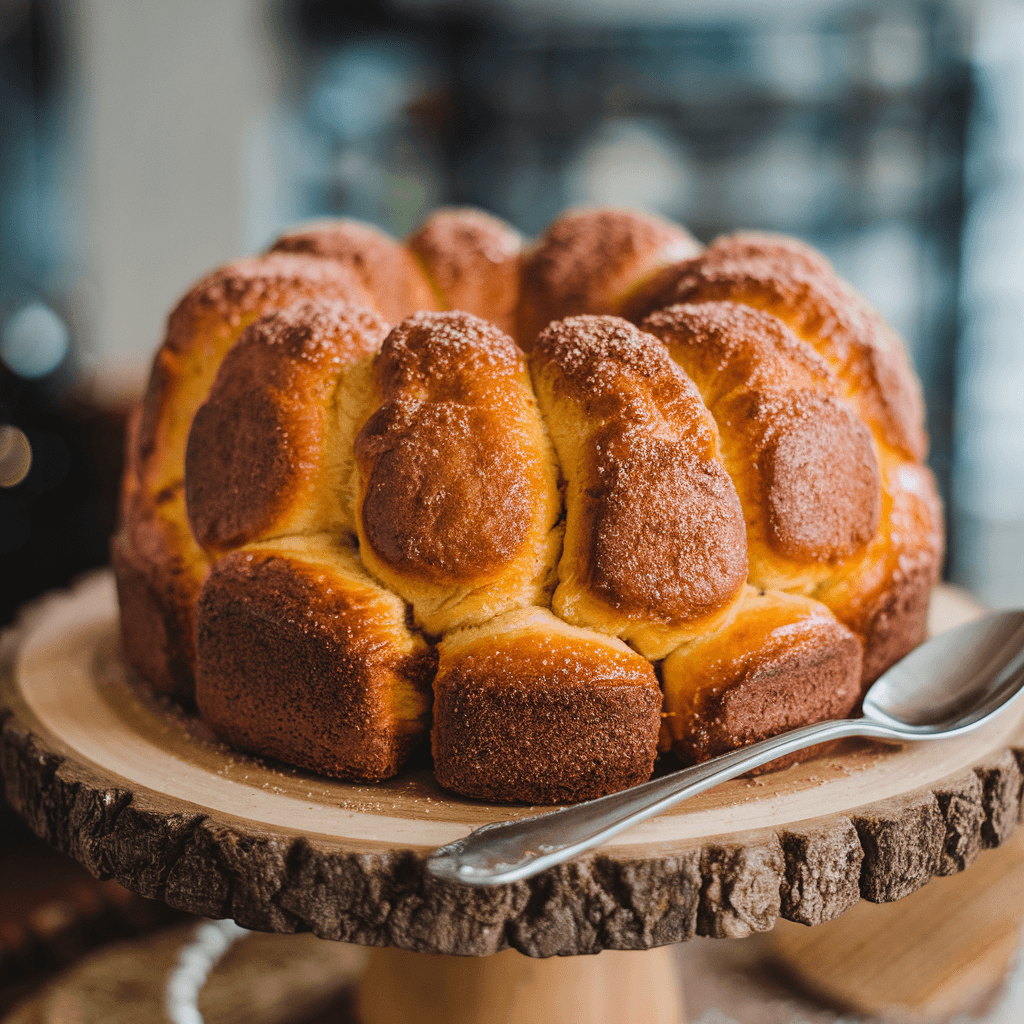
[{"x": 138, "y": 791}]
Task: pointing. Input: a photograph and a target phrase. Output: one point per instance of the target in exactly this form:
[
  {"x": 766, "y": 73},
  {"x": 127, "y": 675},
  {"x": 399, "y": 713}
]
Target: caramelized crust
[
  {"x": 201, "y": 330},
  {"x": 789, "y": 279},
  {"x": 131, "y": 477},
  {"x": 288, "y": 395},
  {"x": 458, "y": 494},
  {"x": 302, "y": 657},
  {"x": 797, "y": 442},
  {"x": 530, "y": 709},
  {"x": 654, "y": 541},
  {"x": 590, "y": 261},
  {"x": 803, "y": 464},
  {"x": 472, "y": 260},
  {"x": 783, "y": 661},
  {"x": 386, "y": 269},
  {"x": 159, "y": 570},
  {"x": 883, "y": 595}
]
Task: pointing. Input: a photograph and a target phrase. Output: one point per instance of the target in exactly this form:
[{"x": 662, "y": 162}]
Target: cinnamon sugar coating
[
  {"x": 735, "y": 488},
  {"x": 458, "y": 495},
  {"x": 883, "y": 595},
  {"x": 803, "y": 463},
  {"x": 351, "y": 696},
  {"x": 217, "y": 305},
  {"x": 654, "y": 544},
  {"x": 200, "y": 331},
  {"x": 159, "y": 574},
  {"x": 530, "y": 709},
  {"x": 789, "y": 279},
  {"x": 159, "y": 569},
  {"x": 782, "y": 661},
  {"x": 384, "y": 267},
  {"x": 590, "y": 261},
  {"x": 280, "y": 397},
  {"x": 473, "y": 261}
]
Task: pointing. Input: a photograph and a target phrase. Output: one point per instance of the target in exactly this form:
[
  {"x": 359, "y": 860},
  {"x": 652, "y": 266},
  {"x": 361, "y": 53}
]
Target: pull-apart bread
[{"x": 557, "y": 506}]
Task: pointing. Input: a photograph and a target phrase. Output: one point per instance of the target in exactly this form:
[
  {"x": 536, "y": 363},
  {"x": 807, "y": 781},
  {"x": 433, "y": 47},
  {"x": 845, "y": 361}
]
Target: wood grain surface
[
  {"x": 140, "y": 792},
  {"x": 934, "y": 955}
]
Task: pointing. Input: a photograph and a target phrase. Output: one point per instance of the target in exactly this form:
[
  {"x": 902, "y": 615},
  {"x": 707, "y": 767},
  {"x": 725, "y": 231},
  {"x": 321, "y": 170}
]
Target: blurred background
[{"x": 143, "y": 143}]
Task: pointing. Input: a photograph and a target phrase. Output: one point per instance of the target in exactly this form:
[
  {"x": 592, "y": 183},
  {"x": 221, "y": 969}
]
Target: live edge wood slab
[{"x": 138, "y": 791}]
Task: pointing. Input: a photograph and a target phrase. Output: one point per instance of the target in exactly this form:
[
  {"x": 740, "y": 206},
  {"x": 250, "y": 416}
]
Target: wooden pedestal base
[
  {"x": 933, "y": 956},
  {"x": 940, "y": 952},
  {"x": 612, "y": 987},
  {"x": 138, "y": 791},
  {"x": 296, "y": 979}
]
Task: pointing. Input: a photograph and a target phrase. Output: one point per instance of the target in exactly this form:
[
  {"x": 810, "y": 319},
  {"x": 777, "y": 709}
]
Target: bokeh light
[
  {"x": 15, "y": 455},
  {"x": 33, "y": 340}
]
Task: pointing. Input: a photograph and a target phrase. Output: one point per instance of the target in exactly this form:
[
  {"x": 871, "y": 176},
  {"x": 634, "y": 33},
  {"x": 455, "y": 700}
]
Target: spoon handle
[{"x": 511, "y": 850}]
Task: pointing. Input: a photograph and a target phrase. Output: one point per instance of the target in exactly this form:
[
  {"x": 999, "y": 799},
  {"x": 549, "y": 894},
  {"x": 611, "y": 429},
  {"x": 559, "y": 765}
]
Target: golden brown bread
[
  {"x": 803, "y": 464},
  {"x": 883, "y": 595},
  {"x": 302, "y": 657},
  {"x": 458, "y": 492},
  {"x": 795, "y": 284},
  {"x": 200, "y": 331},
  {"x": 654, "y": 547},
  {"x": 739, "y": 485},
  {"x": 789, "y": 279},
  {"x": 590, "y": 261},
  {"x": 782, "y": 661},
  {"x": 159, "y": 571},
  {"x": 473, "y": 262},
  {"x": 531, "y": 709},
  {"x": 387, "y": 270},
  {"x": 288, "y": 395}
]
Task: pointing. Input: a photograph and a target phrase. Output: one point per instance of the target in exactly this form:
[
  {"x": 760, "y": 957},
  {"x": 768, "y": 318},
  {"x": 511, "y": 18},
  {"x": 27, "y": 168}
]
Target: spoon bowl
[
  {"x": 950, "y": 685},
  {"x": 954, "y": 681}
]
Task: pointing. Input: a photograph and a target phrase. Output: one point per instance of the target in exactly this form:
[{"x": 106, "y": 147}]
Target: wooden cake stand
[{"x": 138, "y": 791}]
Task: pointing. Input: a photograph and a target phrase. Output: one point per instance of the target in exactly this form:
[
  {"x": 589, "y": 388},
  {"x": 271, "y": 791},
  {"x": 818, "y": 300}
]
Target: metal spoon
[{"x": 951, "y": 684}]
